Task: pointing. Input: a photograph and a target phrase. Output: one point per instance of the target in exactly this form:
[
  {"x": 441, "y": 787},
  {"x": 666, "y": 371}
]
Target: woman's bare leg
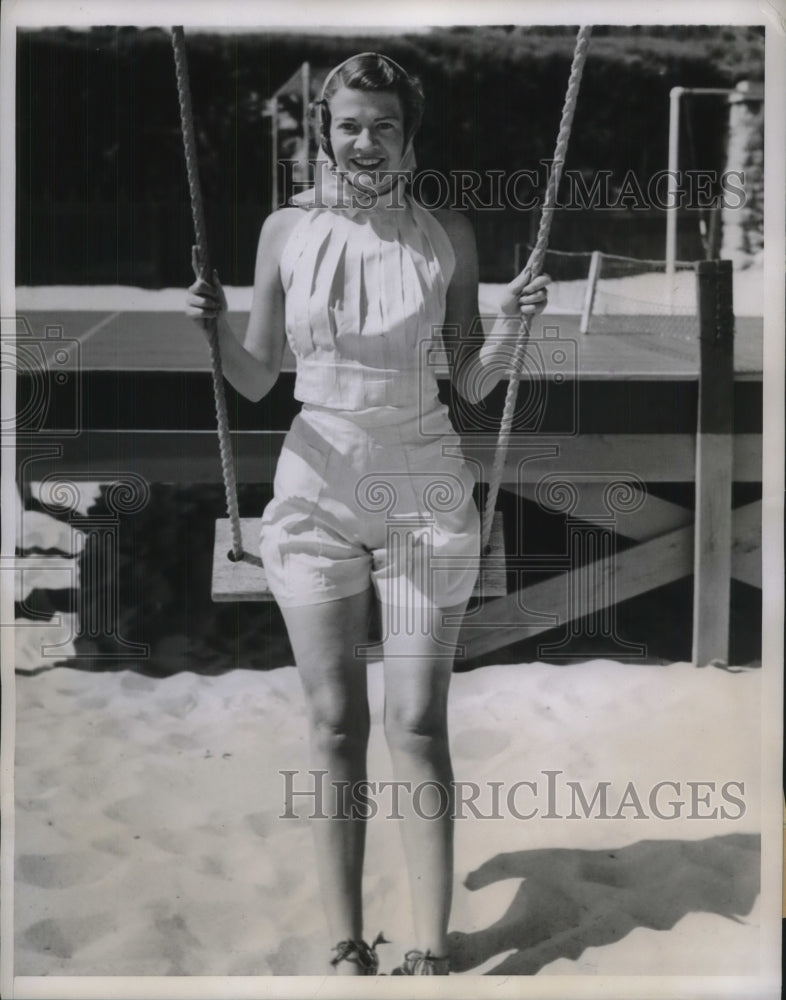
[
  {"x": 324, "y": 638},
  {"x": 417, "y": 676}
]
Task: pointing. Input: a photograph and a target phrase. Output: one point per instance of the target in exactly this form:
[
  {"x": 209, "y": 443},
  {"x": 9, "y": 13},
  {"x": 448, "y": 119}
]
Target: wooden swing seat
[{"x": 245, "y": 580}]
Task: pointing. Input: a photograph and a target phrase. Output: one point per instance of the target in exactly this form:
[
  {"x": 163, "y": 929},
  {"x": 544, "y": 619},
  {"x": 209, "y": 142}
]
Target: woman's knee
[
  {"x": 341, "y": 738},
  {"x": 416, "y": 731},
  {"x": 339, "y": 728}
]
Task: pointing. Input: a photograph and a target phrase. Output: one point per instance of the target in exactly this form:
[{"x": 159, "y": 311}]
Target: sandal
[
  {"x": 359, "y": 953},
  {"x": 418, "y": 963}
]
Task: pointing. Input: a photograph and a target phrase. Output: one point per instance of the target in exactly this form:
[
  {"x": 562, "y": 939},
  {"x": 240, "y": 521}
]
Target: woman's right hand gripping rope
[{"x": 205, "y": 300}]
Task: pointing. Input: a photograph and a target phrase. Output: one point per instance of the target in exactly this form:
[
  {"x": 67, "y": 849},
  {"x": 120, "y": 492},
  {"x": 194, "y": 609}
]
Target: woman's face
[{"x": 367, "y": 134}]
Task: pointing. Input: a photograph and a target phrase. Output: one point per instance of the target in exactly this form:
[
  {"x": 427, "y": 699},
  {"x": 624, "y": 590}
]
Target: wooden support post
[{"x": 714, "y": 455}]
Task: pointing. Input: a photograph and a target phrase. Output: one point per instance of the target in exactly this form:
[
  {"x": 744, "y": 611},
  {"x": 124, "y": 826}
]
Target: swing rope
[
  {"x": 532, "y": 270},
  {"x": 198, "y": 215}
]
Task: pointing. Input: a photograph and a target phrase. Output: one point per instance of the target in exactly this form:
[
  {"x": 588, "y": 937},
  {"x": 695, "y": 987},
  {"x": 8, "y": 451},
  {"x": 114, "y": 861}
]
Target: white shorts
[{"x": 378, "y": 497}]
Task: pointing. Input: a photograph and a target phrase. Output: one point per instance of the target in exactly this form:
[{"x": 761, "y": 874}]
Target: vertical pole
[
  {"x": 714, "y": 231},
  {"x": 672, "y": 200},
  {"x": 589, "y": 295},
  {"x": 274, "y": 152},
  {"x": 714, "y": 448},
  {"x": 306, "y": 98}
]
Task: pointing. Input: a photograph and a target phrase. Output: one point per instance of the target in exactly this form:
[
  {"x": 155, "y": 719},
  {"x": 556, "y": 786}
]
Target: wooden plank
[
  {"x": 635, "y": 571},
  {"x": 714, "y": 457},
  {"x": 651, "y": 457},
  {"x": 492, "y": 577},
  {"x": 716, "y": 343},
  {"x": 107, "y": 401},
  {"x": 244, "y": 580},
  {"x": 652, "y": 564},
  {"x": 654, "y": 458},
  {"x": 192, "y": 456},
  {"x": 712, "y": 553},
  {"x": 657, "y": 517},
  {"x": 159, "y": 456},
  {"x": 653, "y": 517},
  {"x": 746, "y": 550},
  {"x": 170, "y": 341}
]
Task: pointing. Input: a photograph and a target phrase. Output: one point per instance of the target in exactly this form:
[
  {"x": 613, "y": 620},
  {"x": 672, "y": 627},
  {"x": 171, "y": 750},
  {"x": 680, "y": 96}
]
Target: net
[
  {"x": 561, "y": 265},
  {"x": 626, "y": 294},
  {"x": 618, "y": 294}
]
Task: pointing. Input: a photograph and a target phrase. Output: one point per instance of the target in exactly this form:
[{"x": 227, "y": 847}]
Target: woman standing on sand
[{"x": 357, "y": 276}]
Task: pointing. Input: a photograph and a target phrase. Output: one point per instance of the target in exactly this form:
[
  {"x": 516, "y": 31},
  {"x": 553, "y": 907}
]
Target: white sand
[{"x": 149, "y": 840}]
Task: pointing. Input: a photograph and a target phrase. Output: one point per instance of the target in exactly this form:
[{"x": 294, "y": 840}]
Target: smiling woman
[
  {"x": 369, "y": 112},
  {"x": 372, "y": 497}
]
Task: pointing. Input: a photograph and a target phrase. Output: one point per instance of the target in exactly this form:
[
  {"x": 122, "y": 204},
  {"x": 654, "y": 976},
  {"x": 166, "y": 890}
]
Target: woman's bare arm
[
  {"x": 253, "y": 365},
  {"x": 478, "y": 364}
]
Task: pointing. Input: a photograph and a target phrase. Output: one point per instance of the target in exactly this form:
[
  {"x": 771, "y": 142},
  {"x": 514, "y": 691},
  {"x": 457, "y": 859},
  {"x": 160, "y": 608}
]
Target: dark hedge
[{"x": 101, "y": 179}]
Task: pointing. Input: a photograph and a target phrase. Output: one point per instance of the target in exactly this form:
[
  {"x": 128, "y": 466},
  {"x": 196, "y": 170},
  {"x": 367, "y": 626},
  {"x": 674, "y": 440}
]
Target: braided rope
[
  {"x": 198, "y": 215},
  {"x": 533, "y": 268}
]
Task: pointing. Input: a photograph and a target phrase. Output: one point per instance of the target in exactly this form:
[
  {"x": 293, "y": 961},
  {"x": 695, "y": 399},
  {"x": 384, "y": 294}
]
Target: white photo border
[{"x": 267, "y": 14}]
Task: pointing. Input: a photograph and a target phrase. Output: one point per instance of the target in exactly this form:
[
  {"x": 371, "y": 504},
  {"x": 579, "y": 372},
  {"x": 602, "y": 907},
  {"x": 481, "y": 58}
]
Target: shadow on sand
[{"x": 571, "y": 900}]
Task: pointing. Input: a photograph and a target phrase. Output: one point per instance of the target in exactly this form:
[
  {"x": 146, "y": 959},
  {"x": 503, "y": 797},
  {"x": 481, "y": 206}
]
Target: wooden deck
[
  {"x": 170, "y": 342},
  {"x": 599, "y": 415}
]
